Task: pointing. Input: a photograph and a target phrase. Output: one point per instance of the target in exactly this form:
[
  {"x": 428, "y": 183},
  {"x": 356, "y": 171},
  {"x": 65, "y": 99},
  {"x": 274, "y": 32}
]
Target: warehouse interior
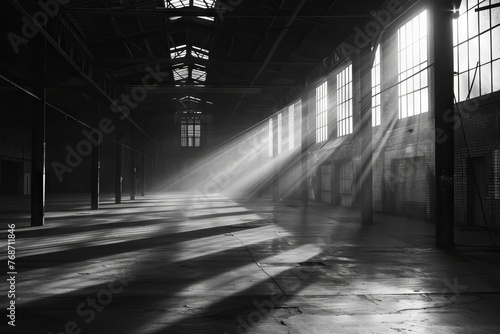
[{"x": 250, "y": 166}]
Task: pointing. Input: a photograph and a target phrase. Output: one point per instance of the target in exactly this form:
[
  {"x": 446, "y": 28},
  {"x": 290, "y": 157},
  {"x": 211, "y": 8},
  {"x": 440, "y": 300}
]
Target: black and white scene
[{"x": 250, "y": 166}]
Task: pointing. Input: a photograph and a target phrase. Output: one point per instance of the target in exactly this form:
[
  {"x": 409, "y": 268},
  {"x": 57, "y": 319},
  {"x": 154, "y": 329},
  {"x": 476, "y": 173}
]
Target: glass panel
[
  {"x": 464, "y": 86},
  {"x": 423, "y": 23},
  {"x": 455, "y": 58},
  {"x": 473, "y": 52},
  {"x": 495, "y": 16},
  {"x": 425, "y": 100},
  {"x": 462, "y": 28},
  {"x": 424, "y": 78},
  {"x": 410, "y": 105},
  {"x": 471, "y": 3},
  {"x": 495, "y": 37},
  {"x": 485, "y": 48},
  {"x": 418, "y": 102},
  {"x": 423, "y": 49},
  {"x": 416, "y": 81},
  {"x": 402, "y": 37},
  {"x": 484, "y": 20},
  {"x": 455, "y": 32},
  {"x": 486, "y": 79},
  {"x": 463, "y": 58},
  {"x": 409, "y": 85},
  {"x": 496, "y": 75},
  {"x": 475, "y": 82},
  {"x": 473, "y": 23}
]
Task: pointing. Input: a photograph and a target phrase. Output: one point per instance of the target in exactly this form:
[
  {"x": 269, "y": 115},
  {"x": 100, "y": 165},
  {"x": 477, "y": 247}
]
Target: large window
[
  {"x": 322, "y": 113},
  {"x": 477, "y": 41},
  {"x": 191, "y": 131},
  {"x": 344, "y": 102},
  {"x": 271, "y": 137},
  {"x": 376, "y": 84},
  {"x": 412, "y": 64}
]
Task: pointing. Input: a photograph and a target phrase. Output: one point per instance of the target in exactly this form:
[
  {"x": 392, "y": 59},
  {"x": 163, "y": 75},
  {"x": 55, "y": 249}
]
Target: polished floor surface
[{"x": 178, "y": 263}]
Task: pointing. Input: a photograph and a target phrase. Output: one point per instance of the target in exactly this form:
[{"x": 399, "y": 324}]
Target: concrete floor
[{"x": 178, "y": 264}]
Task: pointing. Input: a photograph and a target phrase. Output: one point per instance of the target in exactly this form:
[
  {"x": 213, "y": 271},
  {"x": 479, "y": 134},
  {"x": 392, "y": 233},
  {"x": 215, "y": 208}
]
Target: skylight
[
  {"x": 176, "y": 3},
  {"x": 188, "y": 3},
  {"x": 181, "y": 72},
  {"x": 199, "y": 75},
  {"x": 177, "y": 52},
  {"x": 208, "y": 18},
  {"x": 199, "y": 53},
  {"x": 189, "y": 98}
]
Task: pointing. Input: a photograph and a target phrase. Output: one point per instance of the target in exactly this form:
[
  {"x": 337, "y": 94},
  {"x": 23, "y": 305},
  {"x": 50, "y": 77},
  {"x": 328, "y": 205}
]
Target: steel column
[
  {"x": 118, "y": 166},
  {"x": 366, "y": 63},
  {"x": 95, "y": 177},
  {"x": 443, "y": 94},
  {"x": 38, "y": 134}
]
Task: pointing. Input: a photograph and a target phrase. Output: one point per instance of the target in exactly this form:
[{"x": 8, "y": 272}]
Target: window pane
[
  {"x": 486, "y": 79},
  {"x": 484, "y": 20},
  {"x": 463, "y": 58},
  {"x": 496, "y": 75},
  {"x": 464, "y": 86},
  {"x": 425, "y": 100},
  {"x": 496, "y": 42},
  {"x": 485, "y": 48},
  {"x": 495, "y": 16},
  {"x": 474, "y": 81},
  {"x": 462, "y": 28},
  {"x": 455, "y": 58},
  {"x": 473, "y": 23},
  {"x": 418, "y": 102},
  {"x": 473, "y": 52}
]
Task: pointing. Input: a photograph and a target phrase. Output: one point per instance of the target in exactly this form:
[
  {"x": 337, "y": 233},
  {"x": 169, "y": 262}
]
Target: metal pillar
[
  {"x": 276, "y": 166},
  {"x": 443, "y": 95},
  {"x": 133, "y": 170},
  {"x": 143, "y": 173},
  {"x": 118, "y": 166},
  {"x": 95, "y": 175},
  {"x": 303, "y": 150},
  {"x": 38, "y": 134},
  {"x": 366, "y": 63}
]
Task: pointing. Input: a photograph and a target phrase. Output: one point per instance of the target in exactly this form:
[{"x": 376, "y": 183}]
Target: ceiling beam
[
  {"x": 273, "y": 49},
  {"x": 200, "y": 12},
  {"x": 103, "y": 63},
  {"x": 200, "y": 90}
]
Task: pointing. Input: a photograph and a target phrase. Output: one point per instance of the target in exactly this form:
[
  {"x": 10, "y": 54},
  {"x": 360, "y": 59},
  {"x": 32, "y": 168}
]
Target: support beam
[
  {"x": 276, "y": 165},
  {"x": 366, "y": 62},
  {"x": 95, "y": 175},
  {"x": 444, "y": 153},
  {"x": 304, "y": 150},
  {"x": 133, "y": 169},
  {"x": 214, "y": 12},
  {"x": 143, "y": 173},
  {"x": 118, "y": 166},
  {"x": 70, "y": 46},
  {"x": 38, "y": 134},
  {"x": 273, "y": 50}
]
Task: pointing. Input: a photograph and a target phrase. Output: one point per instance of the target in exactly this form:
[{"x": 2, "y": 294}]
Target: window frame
[
  {"x": 345, "y": 123},
  {"x": 413, "y": 76},
  {"x": 322, "y": 112},
  {"x": 377, "y": 88},
  {"x": 191, "y": 131}
]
